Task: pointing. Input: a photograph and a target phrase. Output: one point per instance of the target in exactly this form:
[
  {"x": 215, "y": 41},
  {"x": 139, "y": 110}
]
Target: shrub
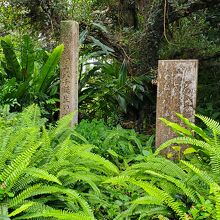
[
  {"x": 29, "y": 75},
  {"x": 44, "y": 173},
  {"x": 115, "y": 143},
  {"x": 188, "y": 189}
]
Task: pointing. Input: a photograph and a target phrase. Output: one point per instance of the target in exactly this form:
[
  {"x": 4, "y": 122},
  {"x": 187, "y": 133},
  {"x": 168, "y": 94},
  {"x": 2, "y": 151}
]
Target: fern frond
[
  {"x": 149, "y": 211},
  {"x": 11, "y": 140},
  {"x": 77, "y": 148},
  {"x": 210, "y": 123},
  {"x": 176, "y": 127},
  {"x": 153, "y": 191},
  {"x": 184, "y": 140},
  {"x": 40, "y": 211},
  {"x": 99, "y": 160},
  {"x": 43, "y": 189},
  {"x": 215, "y": 160},
  {"x": 30, "y": 117},
  {"x": 62, "y": 150},
  {"x": 194, "y": 128},
  {"x": 44, "y": 153},
  {"x": 86, "y": 177},
  {"x": 85, "y": 206},
  {"x": 23, "y": 183},
  {"x": 203, "y": 175},
  {"x": 42, "y": 174},
  {"x": 58, "y": 214},
  {"x": 163, "y": 196},
  {"x": 63, "y": 125},
  {"x": 160, "y": 164},
  {"x": 22, "y": 208},
  {"x": 17, "y": 166},
  {"x": 147, "y": 200},
  {"x": 188, "y": 191},
  {"x": 23, "y": 195},
  {"x": 126, "y": 213},
  {"x": 55, "y": 166},
  {"x": 79, "y": 136}
]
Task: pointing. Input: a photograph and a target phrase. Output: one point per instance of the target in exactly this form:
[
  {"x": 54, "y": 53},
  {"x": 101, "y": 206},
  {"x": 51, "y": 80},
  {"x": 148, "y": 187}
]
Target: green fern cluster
[
  {"x": 115, "y": 143},
  {"x": 44, "y": 173},
  {"x": 174, "y": 188}
]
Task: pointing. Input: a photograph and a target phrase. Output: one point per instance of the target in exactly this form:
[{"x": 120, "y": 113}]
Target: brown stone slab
[{"x": 176, "y": 92}]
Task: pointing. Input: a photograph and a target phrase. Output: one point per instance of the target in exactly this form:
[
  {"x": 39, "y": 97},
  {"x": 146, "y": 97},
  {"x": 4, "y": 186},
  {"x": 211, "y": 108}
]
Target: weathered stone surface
[
  {"x": 69, "y": 69},
  {"x": 176, "y": 92}
]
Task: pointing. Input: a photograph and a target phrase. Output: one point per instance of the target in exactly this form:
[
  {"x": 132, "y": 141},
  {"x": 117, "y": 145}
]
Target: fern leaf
[
  {"x": 188, "y": 191},
  {"x": 86, "y": 177},
  {"x": 62, "y": 126},
  {"x": 58, "y": 214},
  {"x": 99, "y": 160},
  {"x": 152, "y": 212},
  {"x": 39, "y": 173},
  {"x": 210, "y": 123},
  {"x": 18, "y": 166},
  {"x": 166, "y": 198},
  {"x": 183, "y": 140},
  {"x": 21, "y": 208},
  {"x": 176, "y": 127},
  {"x": 147, "y": 200},
  {"x": 158, "y": 164},
  {"x": 23, "y": 195},
  {"x": 126, "y": 213},
  {"x": 152, "y": 191},
  {"x": 203, "y": 175},
  {"x": 194, "y": 128},
  {"x": 79, "y": 136}
]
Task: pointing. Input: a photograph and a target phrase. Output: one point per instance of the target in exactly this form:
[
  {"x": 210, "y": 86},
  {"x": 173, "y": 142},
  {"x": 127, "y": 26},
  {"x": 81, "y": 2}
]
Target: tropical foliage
[
  {"x": 99, "y": 169},
  {"x": 44, "y": 173},
  {"x": 105, "y": 83},
  {"x": 59, "y": 173},
  {"x": 122, "y": 146},
  {"x": 189, "y": 187},
  {"x": 28, "y": 75}
]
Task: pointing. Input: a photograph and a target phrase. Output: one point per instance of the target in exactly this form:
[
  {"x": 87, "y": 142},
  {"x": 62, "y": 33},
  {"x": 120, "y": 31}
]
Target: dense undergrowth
[{"x": 97, "y": 172}]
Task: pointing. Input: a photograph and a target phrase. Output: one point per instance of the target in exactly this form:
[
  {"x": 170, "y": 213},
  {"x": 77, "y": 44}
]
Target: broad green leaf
[
  {"x": 176, "y": 148},
  {"x": 122, "y": 103},
  {"x": 27, "y": 57},
  {"x": 123, "y": 74},
  {"x": 12, "y": 64},
  {"x": 195, "y": 128},
  {"x": 107, "y": 50},
  {"x": 189, "y": 150},
  {"x": 176, "y": 127},
  {"x": 46, "y": 74}
]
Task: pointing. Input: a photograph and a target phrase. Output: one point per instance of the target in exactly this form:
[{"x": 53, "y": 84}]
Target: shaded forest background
[{"x": 121, "y": 42}]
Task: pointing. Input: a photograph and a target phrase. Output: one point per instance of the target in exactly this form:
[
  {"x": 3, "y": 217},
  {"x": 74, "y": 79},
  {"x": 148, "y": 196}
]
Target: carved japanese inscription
[
  {"x": 176, "y": 92},
  {"x": 69, "y": 69}
]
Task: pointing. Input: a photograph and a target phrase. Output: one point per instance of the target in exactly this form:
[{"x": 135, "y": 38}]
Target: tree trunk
[
  {"x": 152, "y": 36},
  {"x": 149, "y": 46},
  {"x": 128, "y": 13}
]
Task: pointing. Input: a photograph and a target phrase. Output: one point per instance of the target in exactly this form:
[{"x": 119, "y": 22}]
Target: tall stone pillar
[{"x": 69, "y": 69}]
